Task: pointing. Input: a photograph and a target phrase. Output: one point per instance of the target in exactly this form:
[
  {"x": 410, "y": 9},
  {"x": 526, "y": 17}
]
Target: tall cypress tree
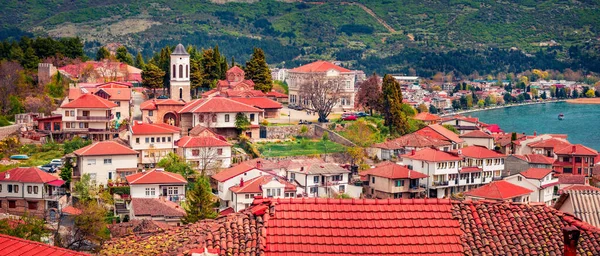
[
  {"x": 258, "y": 71},
  {"x": 124, "y": 56},
  {"x": 139, "y": 61},
  {"x": 198, "y": 205},
  {"x": 102, "y": 53},
  {"x": 395, "y": 119},
  {"x": 210, "y": 68}
]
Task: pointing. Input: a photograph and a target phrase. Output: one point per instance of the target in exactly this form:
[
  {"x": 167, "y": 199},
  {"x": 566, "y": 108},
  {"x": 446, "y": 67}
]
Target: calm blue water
[{"x": 581, "y": 123}]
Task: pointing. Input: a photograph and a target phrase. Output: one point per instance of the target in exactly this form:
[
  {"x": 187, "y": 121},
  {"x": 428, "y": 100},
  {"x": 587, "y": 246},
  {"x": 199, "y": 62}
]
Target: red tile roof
[
  {"x": 235, "y": 70},
  {"x": 27, "y": 175},
  {"x": 319, "y": 66},
  {"x": 104, "y": 148},
  {"x": 433, "y": 155},
  {"x": 156, "y": 208},
  {"x": 157, "y": 128},
  {"x": 121, "y": 94},
  {"x": 226, "y": 211},
  {"x": 426, "y": 116},
  {"x": 476, "y": 134},
  {"x": 89, "y": 100},
  {"x": 578, "y": 187},
  {"x": 576, "y": 149},
  {"x": 550, "y": 143},
  {"x": 259, "y": 102},
  {"x": 217, "y": 105},
  {"x": 498, "y": 190},
  {"x": 156, "y": 177},
  {"x": 480, "y": 152},
  {"x": 255, "y": 185},
  {"x": 536, "y": 173},
  {"x": 152, "y": 104},
  {"x": 199, "y": 142},
  {"x": 571, "y": 179},
  {"x": 72, "y": 210},
  {"x": 393, "y": 171},
  {"x": 413, "y": 140},
  {"x": 470, "y": 169},
  {"x": 536, "y": 159},
  {"x": 14, "y": 246},
  {"x": 494, "y": 128},
  {"x": 276, "y": 94},
  {"x": 232, "y": 172},
  {"x": 441, "y": 132}
]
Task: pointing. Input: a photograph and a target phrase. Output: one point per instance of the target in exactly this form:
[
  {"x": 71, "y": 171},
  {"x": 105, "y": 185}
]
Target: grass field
[
  {"x": 35, "y": 159},
  {"x": 299, "y": 148}
]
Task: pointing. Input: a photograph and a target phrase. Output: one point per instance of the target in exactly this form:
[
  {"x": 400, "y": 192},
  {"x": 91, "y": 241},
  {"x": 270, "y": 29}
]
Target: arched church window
[
  {"x": 180, "y": 93},
  {"x": 187, "y": 71},
  {"x": 174, "y": 71},
  {"x": 180, "y": 71}
]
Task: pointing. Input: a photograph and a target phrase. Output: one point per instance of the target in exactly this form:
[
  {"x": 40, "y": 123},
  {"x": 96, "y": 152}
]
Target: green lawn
[
  {"x": 35, "y": 159},
  {"x": 299, "y": 148}
]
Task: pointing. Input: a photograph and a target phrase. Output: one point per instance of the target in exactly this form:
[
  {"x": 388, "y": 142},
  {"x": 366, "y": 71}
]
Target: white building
[
  {"x": 88, "y": 115},
  {"x": 205, "y": 151},
  {"x": 500, "y": 190},
  {"x": 157, "y": 183},
  {"x": 324, "y": 70},
  {"x": 118, "y": 94},
  {"x": 478, "y": 138},
  {"x": 441, "y": 167},
  {"x": 233, "y": 177},
  {"x": 323, "y": 180},
  {"x": 266, "y": 186},
  {"x": 103, "y": 160},
  {"x": 153, "y": 141},
  {"x": 540, "y": 181},
  {"x": 180, "y": 74}
]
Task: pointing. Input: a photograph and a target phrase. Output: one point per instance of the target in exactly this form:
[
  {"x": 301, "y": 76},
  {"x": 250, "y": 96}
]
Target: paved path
[{"x": 137, "y": 100}]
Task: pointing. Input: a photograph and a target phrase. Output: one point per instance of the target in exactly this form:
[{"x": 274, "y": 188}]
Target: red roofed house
[
  {"x": 324, "y": 71},
  {"x": 93, "y": 72},
  {"x": 441, "y": 168},
  {"x": 233, "y": 176},
  {"x": 219, "y": 114},
  {"x": 428, "y": 118},
  {"x": 105, "y": 162},
  {"x": 317, "y": 179},
  {"x": 438, "y": 131},
  {"x": 500, "y": 190},
  {"x": 89, "y": 115},
  {"x": 119, "y": 96},
  {"x": 517, "y": 163},
  {"x": 480, "y": 163},
  {"x": 582, "y": 203},
  {"x": 479, "y": 138},
  {"x": 205, "y": 151},
  {"x": 270, "y": 107},
  {"x": 402, "y": 145},
  {"x": 541, "y": 181},
  {"x": 153, "y": 141},
  {"x": 543, "y": 145},
  {"x": 575, "y": 159},
  {"x": 29, "y": 189},
  {"x": 462, "y": 123},
  {"x": 14, "y": 246},
  {"x": 267, "y": 186},
  {"x": 391, "y": 180},
  {"x": 161, "y": 111},
  {"x": 277, "y": 96}
]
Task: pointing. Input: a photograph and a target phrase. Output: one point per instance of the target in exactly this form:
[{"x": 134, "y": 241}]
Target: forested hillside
[{"x": 375, "y": 35}]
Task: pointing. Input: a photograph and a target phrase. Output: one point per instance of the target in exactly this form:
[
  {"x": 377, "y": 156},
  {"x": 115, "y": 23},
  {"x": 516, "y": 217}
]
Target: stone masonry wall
[
  {"x": 9, "y": 130},
  {"x": 333, "y": 136},
  {"x": 282, "y": 132}
]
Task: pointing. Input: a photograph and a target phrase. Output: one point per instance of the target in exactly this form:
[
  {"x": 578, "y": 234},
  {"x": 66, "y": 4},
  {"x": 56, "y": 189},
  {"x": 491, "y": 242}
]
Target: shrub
[{"x": 120, "y": 190}]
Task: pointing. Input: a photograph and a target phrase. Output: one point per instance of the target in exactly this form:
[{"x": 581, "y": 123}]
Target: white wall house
[
  {"x": 102, "y": 160},
  {"x": 323, "y": 180},
  {"x": 88, "y": 114},
  {"x": 540, "y": 181},
  {"x": 205, "y": 151},
  {"x": 157, "y": 183},
  {"x": 441, "y": 167},
  {"x": 266, "y": 186},
  {"x": 232, "y": 177},
  {"x": 153, "y": 141}
]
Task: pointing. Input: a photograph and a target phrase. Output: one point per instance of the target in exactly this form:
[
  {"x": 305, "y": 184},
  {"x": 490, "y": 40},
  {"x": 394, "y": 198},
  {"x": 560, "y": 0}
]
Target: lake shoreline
[
  {"x": 506, "y": 106},
  {"x": 591, "y": 101}
]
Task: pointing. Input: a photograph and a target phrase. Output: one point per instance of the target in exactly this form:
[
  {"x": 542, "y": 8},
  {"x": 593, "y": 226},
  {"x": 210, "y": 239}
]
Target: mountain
[{"x": 487, "y": 36}]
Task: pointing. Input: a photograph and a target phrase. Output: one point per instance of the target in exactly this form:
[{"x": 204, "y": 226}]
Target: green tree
[
  {"x": 544, "y": 96},
  {"x": 361, "y": 133},
  {"x": 451, "y": 128},
  {"x": 303, "y": 130},
  {"x": 124, "y": 56},
  {"x": 139, "y": 61},
  {"x": 89, "y": 226},
  {"x": 210, "y": 67},
  {"x": 86, "y": 188},
  {"x": 481, "y": 103},
  {"x": 394, "y": 118},
  {"x": 470, "y": 100},
  {"x": 152, "y": 77},
  {"x": 590, "y": 94},
  {"x": 422, "y": 108},
  {"x": 74, "y": 144},
  {"x": 176, "y": 164},
  {"x": 199, "y": 203},
  {"x": 27, "y": 227},
  {"x": 66, "y": 172},
  {"x": 196, "y": 75},
  {"x": 241, "y": 122},
  {"x": 102, "y": 53},
  {"x": 433, "y": 109},
  {"x": 575, "y": 94},
  {"x": 30, "y": 59},
  {"x": 258, "y": 71}
]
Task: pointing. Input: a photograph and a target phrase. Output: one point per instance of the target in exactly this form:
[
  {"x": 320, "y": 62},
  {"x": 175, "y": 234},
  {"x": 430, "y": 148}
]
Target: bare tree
[
  {"x": 208, "y": 159},
  {"x": 321, "y": 93}
]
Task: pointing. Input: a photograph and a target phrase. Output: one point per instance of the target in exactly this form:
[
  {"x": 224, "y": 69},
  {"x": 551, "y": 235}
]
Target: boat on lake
[
  {"x": 19, "y": 157},
  {"x": 561, "y": 116}
]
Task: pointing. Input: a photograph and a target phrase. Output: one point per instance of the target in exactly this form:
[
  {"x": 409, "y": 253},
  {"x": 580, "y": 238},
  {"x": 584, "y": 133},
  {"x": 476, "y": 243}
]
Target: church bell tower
[{"x": 180, "y": 74}]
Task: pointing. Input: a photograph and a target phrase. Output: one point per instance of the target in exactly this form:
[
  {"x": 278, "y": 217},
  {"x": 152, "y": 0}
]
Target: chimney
[
  {"x": 258, "y": 164},
  {"x": 571, "y": 236},
  {"x": 534, "y": 133},
  {"x": 241, "y": 182},
  {"x": 412, "y": 152},
  {"x": 574, "y": 148}
]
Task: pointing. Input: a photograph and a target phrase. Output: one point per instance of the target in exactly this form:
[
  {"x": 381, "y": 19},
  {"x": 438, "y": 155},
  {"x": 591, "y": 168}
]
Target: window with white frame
[
  {"x": 107, "y": 161},
  {"x": 150, "y": 191},
  {"x": 91, "y": 162},
  {"x": 316, "y": 179},
  {"x": 172, "y": 190}
]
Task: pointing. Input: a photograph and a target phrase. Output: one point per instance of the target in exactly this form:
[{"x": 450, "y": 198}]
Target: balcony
[
  {"x": 440, "y": 183},
  {"x": 94, "y": 118},
  {"x": 419, "y": 188},
  {"x": 174, "y": 198}
]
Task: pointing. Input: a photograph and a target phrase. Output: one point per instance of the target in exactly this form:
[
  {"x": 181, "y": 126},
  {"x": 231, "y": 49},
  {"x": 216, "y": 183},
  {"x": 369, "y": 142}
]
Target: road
[{"x": 137, "y": 99}]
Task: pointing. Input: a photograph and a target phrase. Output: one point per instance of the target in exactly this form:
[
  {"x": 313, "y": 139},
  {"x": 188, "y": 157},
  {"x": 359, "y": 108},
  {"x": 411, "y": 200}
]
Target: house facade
[
  {"x": 234, "y": 176},
  {"x": 500, "y": 190},
  {"x": 265, "y": 186},
  {"x": 153, "y": 141},
  {"x": 323, "y": 180},
  {"x": 89, "y": 115},
  {"x": 323, "y": 70},
  {"x": 478, "y": 138},
  {"x": 103, "y": 161},
  {"x": 518, "y": 163},
  {"x": 29, "y": 189},
  {"x": 391, "y": 180},
  {"x": 540, "y": 181},
  {"x": 121, "y": 96},
  {"x": 438, "y": 131},
  {"x": 575, "y": 159},
  {"x": 157, "y": 183},
  {"x": 405, "y": 144},
  {"x": 441, "y": 168},
  {"x": 205, "y": 151}
]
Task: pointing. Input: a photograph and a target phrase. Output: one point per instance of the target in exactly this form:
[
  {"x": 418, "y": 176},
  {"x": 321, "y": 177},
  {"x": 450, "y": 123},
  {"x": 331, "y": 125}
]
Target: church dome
[{"x": 180, "y": 50}]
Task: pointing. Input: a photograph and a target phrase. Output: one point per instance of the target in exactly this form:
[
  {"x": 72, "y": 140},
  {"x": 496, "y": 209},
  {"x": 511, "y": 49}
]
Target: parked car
[
  {"x": 50, "y": 168},
  {"x": 349, "y": 118},
  {"x": 361, "y": 114},
  {"x": 162, "y": 97},
  {"x": 57, "y": 161}
]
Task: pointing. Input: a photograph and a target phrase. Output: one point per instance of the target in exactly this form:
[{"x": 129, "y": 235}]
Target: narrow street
[{"x": 137, "y": 99}]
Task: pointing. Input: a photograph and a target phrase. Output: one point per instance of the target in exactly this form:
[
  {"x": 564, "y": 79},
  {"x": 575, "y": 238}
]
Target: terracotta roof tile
[
  {"x": 571, "y": 179},
  {"x": 578, "y": 187},
  {"x": 536, "y": 173},
  {"x": 14, "y": 246},
  {"x": 105, "y": 148},
  {"x": 319, "y": 66},
  {"x": 499, "y": 190},
  {"x": 394, "y": 171},
  {"x": 583, "y": 204},
  {"x": 121, "y": 94},
  {"x": 441, "y": 131},
  {"x": 217, "y": 105},
  {"x": 480, "y": 152},
  {"x": 199, "y": 142},
  {"x": 433, "y": 155},
  {"x": 255, "y": 185},
  {"x": 157, "y": 128},
  {"x": 89, "y": 100},
  {"x": 156, "y": 177},
  {"x": 426, "y": 116},
  {"x": 539, "y": 159},
  {"x": 476, "y": 134},
  {"x": 71, "y": 210},
  {"x": 470, "y": 169},
  {"x": 27, "y": 175},
  {"x": 233, "y": 172},
  {"x": 576, "y": 149},
  {"x": 156, "y": 208},
  {"x": 152, "y": 104},
  {"x": 554, "y": 143},
  {"x": 259, "y": 102},
  {"x": 276, "y": 94}
]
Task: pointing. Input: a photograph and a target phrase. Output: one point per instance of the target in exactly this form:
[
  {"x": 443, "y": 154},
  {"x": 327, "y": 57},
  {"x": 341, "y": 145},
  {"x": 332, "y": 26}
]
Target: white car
[{"x": 57, "y": 162}]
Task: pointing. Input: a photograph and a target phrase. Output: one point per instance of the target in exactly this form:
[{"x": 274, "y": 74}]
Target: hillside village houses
[
  {"x": 105, "y": 161},
  {"x": 205, "y": 150},
  {"x": 324, "y": 179},
  {"x": 391, "y": 180},
  {"x": 153, "y": 141},
  {"x": 541, "y": 181},
  {"x": 89, "y": 115}
]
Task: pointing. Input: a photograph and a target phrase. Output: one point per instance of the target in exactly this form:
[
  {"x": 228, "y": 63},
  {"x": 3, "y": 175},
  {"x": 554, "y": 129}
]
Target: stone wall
[
  {"x": 22, "y": 206},
  {"x": 338, "y": 158},
  {"x": 282, "y": 132},
  {"x": 45, "y": 73},
  {"x": 333, "y": 136},
  {"x": 9, "y": 130}
]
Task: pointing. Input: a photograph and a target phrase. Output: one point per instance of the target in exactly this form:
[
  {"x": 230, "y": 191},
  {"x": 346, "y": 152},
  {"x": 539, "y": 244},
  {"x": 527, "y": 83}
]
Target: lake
[{"x": 581, "y": 123}]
